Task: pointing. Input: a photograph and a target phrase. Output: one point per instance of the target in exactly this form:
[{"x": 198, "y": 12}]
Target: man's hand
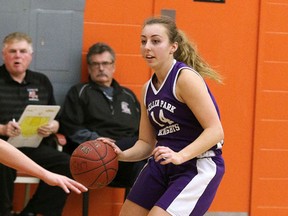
[
  {"x": 48, "y": 129},
  {"x": 11, "y": 129}
]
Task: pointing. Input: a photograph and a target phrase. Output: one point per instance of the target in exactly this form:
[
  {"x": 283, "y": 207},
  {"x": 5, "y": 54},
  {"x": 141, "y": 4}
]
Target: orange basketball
[{"x": 94, "y": 164}]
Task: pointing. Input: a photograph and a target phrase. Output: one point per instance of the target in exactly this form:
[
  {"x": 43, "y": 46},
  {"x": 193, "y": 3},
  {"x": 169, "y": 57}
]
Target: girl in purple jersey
[{"x": 180, "y": 129}]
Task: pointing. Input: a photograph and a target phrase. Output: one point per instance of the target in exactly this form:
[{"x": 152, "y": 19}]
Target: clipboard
[{"x": 33, "y": 117}]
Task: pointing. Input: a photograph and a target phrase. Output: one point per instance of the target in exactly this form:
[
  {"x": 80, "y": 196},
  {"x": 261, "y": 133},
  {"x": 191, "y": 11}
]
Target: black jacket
[{"x": 88, "y": 113}]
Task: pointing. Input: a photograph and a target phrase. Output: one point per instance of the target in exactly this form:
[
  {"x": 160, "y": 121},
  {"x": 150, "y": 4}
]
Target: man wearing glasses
[{"x": 103, "y": 108}]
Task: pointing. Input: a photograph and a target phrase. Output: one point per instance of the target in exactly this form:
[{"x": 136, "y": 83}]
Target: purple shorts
[{"x": 186, "y": 189}]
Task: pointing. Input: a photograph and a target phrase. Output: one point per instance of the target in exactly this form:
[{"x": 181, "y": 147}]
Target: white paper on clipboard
[{"x": 31, "y": 119}]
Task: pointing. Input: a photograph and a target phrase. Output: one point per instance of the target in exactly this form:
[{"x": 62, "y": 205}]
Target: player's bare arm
[
  {"x": 192, "y": 90},
  {"x": 25, "y": 164},
  {"x": 147, "y": 138}
]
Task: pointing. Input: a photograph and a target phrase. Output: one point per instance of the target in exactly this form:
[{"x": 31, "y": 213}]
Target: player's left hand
[{"x": 165, "y": 155}]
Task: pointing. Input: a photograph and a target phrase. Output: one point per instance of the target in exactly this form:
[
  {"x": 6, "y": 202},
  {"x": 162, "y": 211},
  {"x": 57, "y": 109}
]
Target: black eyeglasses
[{"x": 103, "y": 64}]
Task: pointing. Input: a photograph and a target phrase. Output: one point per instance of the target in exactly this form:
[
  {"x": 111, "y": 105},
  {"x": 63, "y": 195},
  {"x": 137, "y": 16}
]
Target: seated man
[
  {"x": 20, "y": 87},
  {"x": 103, "y": 108}
]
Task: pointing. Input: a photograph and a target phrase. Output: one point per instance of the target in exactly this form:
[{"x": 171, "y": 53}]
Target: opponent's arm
[{"x": 12, "y": 157}]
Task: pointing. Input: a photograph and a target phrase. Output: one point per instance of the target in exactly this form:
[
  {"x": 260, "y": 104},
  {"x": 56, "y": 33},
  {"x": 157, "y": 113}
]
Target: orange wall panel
[
  {"x": 273, "y": 104},
  {"x": 277, "y": 14},
  {"x": 277, "y": 70},
  {"x": 275, "y": 211},
  {"x": 115, "y": 11},
  {"x": 269, "y": 180},
  {"x": 271, "y": 167},
  {"x": 102, "y": 202},
  {"x": 271, "y": 134},
  {"x": 271, "y": 190},
  {"x": 131, "y": 72},
  {"x": 132, "y": 69},
  {"x": 273, "y": 199},
  {"x": 274, "y": 43},
  {"x": 122, "y": 38},
  {"x": 19, "y": 196}
]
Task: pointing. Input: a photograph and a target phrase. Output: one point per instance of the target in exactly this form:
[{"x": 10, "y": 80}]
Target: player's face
[
  {"x": 17, "y": 57},
  {"x": 156, "y": 48},
  {"x": 101, "y": 68}
]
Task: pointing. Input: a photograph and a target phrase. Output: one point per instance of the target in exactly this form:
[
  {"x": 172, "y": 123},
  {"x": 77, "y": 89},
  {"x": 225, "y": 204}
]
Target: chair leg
[
  {"x": 27, "y": 194},
  {"x": 85, "y": 203},
  {"x": 126, "y": 192}
]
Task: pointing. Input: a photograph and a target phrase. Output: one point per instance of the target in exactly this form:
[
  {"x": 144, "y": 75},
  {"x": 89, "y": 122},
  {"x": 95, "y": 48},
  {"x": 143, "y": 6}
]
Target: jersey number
[{"x": 162, "y": 118}]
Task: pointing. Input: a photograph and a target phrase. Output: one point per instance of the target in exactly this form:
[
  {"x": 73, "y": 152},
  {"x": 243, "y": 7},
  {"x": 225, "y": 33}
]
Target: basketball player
[
  {"x": 181, "y": 130},
  {"x": 14, "y": 158}
]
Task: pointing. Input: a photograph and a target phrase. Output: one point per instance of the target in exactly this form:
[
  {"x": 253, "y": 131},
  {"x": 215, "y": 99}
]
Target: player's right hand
[{"x": 110, "y": 142}]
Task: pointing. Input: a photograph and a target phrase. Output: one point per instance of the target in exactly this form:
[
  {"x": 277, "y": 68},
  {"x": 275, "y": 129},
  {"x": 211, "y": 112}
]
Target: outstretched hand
[{"x": 64, "y": 182}]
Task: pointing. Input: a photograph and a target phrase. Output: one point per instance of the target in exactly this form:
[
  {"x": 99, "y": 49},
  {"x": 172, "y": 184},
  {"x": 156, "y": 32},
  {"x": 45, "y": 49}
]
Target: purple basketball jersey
[{"x": 174, "y": 123}]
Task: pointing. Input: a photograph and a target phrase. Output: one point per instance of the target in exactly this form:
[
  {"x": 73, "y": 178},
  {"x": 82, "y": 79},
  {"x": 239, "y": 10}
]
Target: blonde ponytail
[{"x": 187, "y": 53}]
